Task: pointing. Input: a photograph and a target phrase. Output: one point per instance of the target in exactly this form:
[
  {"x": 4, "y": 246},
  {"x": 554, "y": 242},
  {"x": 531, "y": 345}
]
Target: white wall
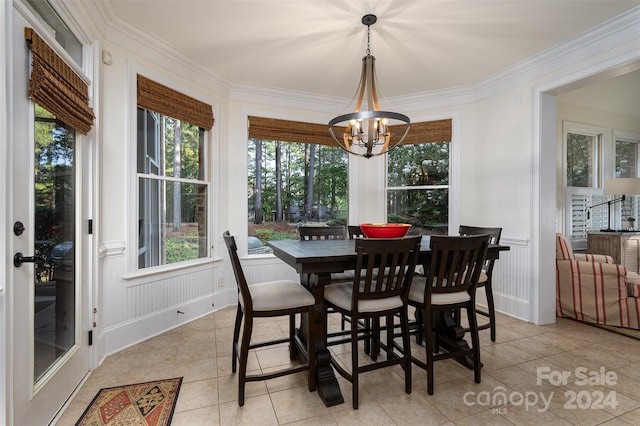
[{"x": 137, "y": 305}]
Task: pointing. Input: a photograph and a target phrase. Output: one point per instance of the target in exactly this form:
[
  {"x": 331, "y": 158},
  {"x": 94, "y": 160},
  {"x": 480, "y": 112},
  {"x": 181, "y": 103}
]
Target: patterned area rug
[{"x": 144, "y": 404}]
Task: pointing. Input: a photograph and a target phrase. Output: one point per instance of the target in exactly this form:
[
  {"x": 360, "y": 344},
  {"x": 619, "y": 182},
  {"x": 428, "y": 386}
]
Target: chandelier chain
[{"x": 368, "y": 40}]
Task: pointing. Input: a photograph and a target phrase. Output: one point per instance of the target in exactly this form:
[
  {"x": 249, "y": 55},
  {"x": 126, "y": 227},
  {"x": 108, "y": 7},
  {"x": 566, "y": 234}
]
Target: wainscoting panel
[
  {"x": 136, "y": 309},
  {"x": 512, "y": 278}
]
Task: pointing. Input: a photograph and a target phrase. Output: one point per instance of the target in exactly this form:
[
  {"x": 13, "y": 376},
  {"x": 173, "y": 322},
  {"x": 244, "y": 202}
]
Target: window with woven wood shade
[
  {"x": 156, "y": 97},
  {"x": 56, "y": 87},
  {"x": 298, "y": 131}
]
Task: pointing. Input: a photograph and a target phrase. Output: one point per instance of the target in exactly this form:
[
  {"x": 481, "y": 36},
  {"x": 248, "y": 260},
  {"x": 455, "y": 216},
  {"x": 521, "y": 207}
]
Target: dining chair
[
  {"x": 355, "y": 231},
  {"x": 452, "y": 275},
  {"x": 267, "y": 299},
  {"x": 373, "y": 298},
  {"x": 332, "y": 232},
  {"x": 485, "y": 276}
]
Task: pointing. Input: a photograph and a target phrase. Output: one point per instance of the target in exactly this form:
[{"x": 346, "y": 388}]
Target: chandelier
[{"x": 368, "y": 131}]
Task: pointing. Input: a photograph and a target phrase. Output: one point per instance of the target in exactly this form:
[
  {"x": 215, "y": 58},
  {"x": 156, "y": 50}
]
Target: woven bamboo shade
[
  {"x": 56, "y": 87},
  {"x": 428, "y": 131},
  {"x": 298, "y": 131},
  {"x": 156, "y": 97},
  {"x": 289, "y": 131}
]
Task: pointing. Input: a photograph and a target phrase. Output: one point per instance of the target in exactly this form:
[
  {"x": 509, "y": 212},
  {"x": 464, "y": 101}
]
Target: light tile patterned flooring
[{"x": 201, "y": 352}]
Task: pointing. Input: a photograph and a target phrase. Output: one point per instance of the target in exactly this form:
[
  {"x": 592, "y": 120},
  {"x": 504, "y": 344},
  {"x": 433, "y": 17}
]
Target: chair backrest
[
  {"x": 398, "y": 256},
  {"x": 336, "y": 232},
  {"x": 243, "y": 288},
  {"x": 456, "y": 263},
  {"x": 494, "y": 233},
  {"x": 563, "y": 248},
  {"x": 355, "y": 232},
  {"x": 494, "y": 238}
]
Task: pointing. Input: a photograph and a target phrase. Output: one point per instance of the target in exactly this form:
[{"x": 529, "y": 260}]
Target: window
[
  {"x": 172, "y": 176},
  {"x": 627, "y": 166},
  {"x": 296, "y": 175},
  {"x": 418, "y": 187},
  {"x": 418, "y": 178},
  {"x": 63, "y": 35},
  {"x": 582, "y": 157},
  {"x": 585, "y": 206}
]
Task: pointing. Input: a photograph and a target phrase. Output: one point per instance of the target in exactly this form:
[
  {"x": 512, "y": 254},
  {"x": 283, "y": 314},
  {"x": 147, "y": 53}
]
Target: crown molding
[{"x": 244, "y": 92}]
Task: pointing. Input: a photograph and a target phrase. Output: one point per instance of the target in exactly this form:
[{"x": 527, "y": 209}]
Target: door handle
[{"x": 19, "y": 259}]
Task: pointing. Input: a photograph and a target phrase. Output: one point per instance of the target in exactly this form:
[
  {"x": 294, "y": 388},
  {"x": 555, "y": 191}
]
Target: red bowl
[{"x": 385, "y": 230}]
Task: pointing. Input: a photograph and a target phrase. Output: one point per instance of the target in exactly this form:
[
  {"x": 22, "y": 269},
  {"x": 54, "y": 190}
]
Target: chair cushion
[
  {"x": 416, "y": 294},
  {"x": 340, "y": 296},
  {"x": 276, "y": 295}
]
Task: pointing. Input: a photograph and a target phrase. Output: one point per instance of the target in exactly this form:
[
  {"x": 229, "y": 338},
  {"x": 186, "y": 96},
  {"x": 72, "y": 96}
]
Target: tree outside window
[{"x": 290, "y": 184}]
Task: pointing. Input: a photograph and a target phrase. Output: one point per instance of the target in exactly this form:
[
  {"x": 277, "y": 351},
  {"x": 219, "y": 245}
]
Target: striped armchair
[{"x": 592, "y": 288}]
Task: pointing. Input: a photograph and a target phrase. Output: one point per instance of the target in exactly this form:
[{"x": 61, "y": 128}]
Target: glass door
[{"x": 50, "y": 350}]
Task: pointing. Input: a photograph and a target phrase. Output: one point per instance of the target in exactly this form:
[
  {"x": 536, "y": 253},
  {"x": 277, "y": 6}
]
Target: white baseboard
[{"x": 127, "y": 334}]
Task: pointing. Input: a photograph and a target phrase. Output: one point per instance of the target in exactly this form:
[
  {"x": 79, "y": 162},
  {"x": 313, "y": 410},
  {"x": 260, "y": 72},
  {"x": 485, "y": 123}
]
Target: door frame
[{"x": 87, "y": 164}]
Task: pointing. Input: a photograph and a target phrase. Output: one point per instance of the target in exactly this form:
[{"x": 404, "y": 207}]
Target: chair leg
[
  {"x": 419, "y": 326},
  {"x": 244, "y": 355},
  {"x": 406, "y": 347},
  {"x": 388, "y": 323},
  {"x": 354, "y": 362},
  {"x": 491, "y": 309},
  {"x": 293, "y": 354},
  {"x": 375, "y": 337},
  {"x": 475, "y": 341},
  {"x": 367, "y": 340},
  {"x": 236, "y": 334},
  {"x": 429, "y": 345}
]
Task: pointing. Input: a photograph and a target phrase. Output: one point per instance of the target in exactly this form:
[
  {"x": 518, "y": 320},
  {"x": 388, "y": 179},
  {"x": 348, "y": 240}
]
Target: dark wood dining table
[{"x": 315, "y": 261}]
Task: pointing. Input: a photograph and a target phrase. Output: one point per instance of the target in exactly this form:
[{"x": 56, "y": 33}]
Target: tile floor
[{"x": 562, "y": 374}]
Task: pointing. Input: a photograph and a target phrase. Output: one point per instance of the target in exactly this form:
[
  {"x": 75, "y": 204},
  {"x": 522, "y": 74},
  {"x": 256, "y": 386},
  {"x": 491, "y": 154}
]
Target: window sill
[{"x": 143, "y": 276}]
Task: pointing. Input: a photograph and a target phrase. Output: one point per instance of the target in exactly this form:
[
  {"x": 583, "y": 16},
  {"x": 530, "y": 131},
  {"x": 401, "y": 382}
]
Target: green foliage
[
  {"x": 329, "y": 179},
  {"x": 54, "y": 178},
  {"x": 579, "y": 163},
  {"x": 265, "y": 234},
  {"x": 183, "y": 248}
]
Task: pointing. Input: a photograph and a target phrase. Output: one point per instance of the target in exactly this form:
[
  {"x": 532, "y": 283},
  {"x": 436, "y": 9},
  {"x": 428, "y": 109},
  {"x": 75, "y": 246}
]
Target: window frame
[
  {"x": 599, "y": 155},
  {"x": 210, "y": 170},
  {"x": 604, "y": 159},
  {"x": 422, "y": 187}
]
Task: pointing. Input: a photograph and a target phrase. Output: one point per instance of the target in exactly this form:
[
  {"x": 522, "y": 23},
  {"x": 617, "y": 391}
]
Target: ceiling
[{"x": 316, "y": 46}]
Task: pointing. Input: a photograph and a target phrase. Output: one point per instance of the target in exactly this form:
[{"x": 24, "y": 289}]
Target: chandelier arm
[{"x": 362, "y": 86}]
